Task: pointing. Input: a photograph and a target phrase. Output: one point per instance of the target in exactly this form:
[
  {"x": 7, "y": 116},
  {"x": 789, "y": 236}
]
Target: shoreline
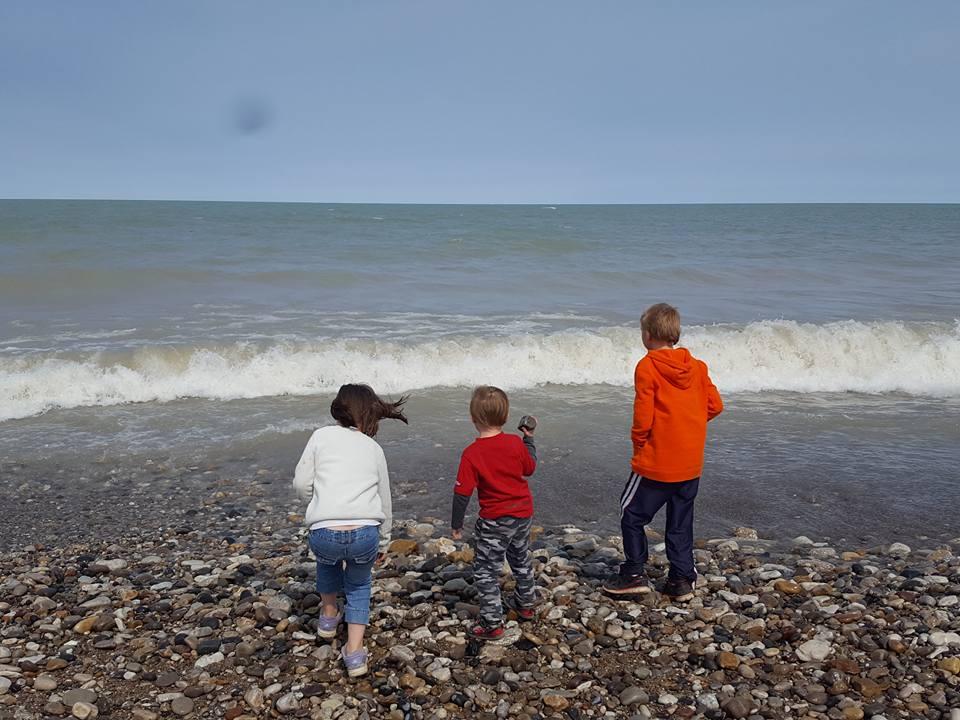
[
  {"x": 57, "y": 501},
  {"x": 190, "y": 622}
]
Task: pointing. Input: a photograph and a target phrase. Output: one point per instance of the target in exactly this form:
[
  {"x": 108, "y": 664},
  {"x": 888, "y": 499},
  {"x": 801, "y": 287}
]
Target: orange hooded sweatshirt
[{"x": 675, "y": 400}]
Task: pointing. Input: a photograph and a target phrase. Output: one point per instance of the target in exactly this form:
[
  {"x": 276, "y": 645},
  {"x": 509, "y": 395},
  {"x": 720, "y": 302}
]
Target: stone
[
  {"x": 898, "y": 550},
  {"x": 787, "y": 587},
  {"x": 745, "y": 533},
  {"x": 140, "y": 713},
  {"x": 422, "y": 530},
  {"x": 467, "y": 555},
  {"x": 287, "y": 704},
  {"x": 634, "y": 695},
  {"x": 182, "y": 706},
  {"x": 708, "y": 703},
  {"x": 281, "y": 603},
  {"x": 208, "y": 646},
  {"x": 441, "y": 674},
  {"x": 556, "y": 701},
  {"x": 205, "y": 661},
  {"x": 97, "y": 603},
  {"x": 950, "y": 665},
  {"x": 727, "y": 660},
  {"x": 868, "y": 688},
  {"x": 455, "y": 585},
  {"x": 85, "y": 625},
  {"x": 253, "y": 697},
  {"x": 166, "y": 679},
  {"x": 402, "y": 654},
  {"x": 44, "y": 683},
  {"x": 491, "y": 676},
  {"x": 411, "y": 681},
  {"x": 667, "y": 699},
  {"x": 814, "y": 650},
  {"x": 113, "y": 564},
  {"x": 738, "y": 707},
  {"x": 403, "y": 547},
  {"x": 79, "y": 695},
  {"x": 941, "y": 639},
  {"x": 582, "y": 548},
  {"x": 709, "y": 614},
  {"x": 896, "y": 644},
  {"x": 5, "y": 684},
  {"x": 84, "y": 711},
  {"x": 421, "y": 633},
  {"x": 43, "y": 605}
]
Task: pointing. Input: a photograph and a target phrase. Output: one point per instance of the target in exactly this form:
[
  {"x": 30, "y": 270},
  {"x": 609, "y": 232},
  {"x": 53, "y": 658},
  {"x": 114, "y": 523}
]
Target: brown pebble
[
  {"x": 727, "y": 660},
  {"x": 557, "y": 702}
]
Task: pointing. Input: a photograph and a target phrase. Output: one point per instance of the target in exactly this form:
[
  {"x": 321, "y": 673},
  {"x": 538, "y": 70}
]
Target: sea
[{"x": 217, "y": 333}]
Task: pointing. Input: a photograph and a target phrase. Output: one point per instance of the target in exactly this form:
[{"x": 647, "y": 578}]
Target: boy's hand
[
  {"x": 528, "y": 424},
  {"x": 457, "y": 534},
  {"x": 527, "y": 432},
  {"x": 381, "y": 557}
]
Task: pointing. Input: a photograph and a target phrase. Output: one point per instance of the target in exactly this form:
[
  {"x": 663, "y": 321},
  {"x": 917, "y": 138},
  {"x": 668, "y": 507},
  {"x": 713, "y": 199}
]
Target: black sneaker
[
  {"x": 678, "y": 589},
  {"x": 627, "y": 585}
]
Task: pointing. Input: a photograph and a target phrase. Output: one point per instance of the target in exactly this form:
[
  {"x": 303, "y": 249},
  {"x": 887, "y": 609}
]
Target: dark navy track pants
[{"x": 641, "y": 499}]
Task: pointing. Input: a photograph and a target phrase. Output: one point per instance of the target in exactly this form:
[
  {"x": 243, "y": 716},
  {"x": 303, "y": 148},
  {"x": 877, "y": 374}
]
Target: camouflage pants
[{"x": 504, "y": 537}]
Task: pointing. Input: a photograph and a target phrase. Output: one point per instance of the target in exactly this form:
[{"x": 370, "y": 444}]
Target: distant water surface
[{"x": 131, "y": 328}]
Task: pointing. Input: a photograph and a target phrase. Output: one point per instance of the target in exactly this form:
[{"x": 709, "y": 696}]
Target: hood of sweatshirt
[{"x": 675, "y": 365}]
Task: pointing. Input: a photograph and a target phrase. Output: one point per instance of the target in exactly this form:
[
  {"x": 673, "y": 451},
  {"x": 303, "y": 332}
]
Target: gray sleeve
[
  {"x": 531, "y": 446},
  {"x": 460, "y": 503}
]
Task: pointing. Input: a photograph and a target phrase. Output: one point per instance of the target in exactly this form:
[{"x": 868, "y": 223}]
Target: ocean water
[{"x": 220, "y": 330}]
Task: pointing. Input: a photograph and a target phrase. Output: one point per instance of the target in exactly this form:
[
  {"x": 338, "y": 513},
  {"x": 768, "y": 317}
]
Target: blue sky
[{"x": 450, "y": 101}]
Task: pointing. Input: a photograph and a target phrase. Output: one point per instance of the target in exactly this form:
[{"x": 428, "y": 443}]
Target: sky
[{"x": 481, "y": 102}]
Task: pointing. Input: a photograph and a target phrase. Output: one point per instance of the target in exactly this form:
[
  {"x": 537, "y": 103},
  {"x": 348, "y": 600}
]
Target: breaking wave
[{"x": 880, "y": 357}]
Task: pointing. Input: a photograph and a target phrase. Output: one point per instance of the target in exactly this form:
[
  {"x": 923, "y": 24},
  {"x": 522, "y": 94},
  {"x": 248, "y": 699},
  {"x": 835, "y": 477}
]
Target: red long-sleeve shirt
[{"x": 497, "y": 467}]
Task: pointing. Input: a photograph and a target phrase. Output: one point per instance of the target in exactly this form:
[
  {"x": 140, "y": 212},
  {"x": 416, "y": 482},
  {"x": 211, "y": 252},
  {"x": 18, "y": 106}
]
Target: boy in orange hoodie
[{"x": 675, "y": 399}]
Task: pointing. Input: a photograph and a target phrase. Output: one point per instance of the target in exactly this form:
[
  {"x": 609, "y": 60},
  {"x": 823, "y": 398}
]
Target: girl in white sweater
[{"x": 343, "y": 475}]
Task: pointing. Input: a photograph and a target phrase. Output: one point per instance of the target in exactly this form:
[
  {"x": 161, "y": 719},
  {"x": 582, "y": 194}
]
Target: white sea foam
[{"x": 882, "y": 357}]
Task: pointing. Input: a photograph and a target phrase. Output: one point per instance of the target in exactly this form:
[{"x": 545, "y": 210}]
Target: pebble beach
[{"x": 193, "y": 619}]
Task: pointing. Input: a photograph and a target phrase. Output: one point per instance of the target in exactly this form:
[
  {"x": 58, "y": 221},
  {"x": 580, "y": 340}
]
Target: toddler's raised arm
[{"x": 466, "y": 483}]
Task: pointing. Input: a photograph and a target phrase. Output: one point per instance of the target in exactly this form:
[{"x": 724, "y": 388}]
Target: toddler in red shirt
[{"x": 497, "y": 465}]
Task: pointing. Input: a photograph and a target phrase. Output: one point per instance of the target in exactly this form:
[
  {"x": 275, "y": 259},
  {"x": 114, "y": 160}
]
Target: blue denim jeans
[{"x": 344, "y": 563}]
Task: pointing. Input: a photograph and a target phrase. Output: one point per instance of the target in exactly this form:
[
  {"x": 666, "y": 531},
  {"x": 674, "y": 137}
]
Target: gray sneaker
[
  {"x": 356, "y": 662},
  {"x": 327, "y": 626}
]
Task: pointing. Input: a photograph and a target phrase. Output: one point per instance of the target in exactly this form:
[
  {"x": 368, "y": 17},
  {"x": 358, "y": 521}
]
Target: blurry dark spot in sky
[{"x": 251, "y": 115}]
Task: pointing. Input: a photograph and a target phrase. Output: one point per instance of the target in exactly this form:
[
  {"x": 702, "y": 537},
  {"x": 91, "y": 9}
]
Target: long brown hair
[{"x": 360, "y": 407}]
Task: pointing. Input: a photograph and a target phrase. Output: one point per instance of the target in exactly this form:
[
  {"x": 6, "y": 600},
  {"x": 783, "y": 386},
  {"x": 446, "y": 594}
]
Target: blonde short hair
[
  {"x": 662, "y": 322},
  {"x": 489, "y": 406}
]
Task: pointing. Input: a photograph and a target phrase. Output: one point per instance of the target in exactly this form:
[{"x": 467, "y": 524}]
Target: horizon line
[{"x": 478, "y": 204}]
